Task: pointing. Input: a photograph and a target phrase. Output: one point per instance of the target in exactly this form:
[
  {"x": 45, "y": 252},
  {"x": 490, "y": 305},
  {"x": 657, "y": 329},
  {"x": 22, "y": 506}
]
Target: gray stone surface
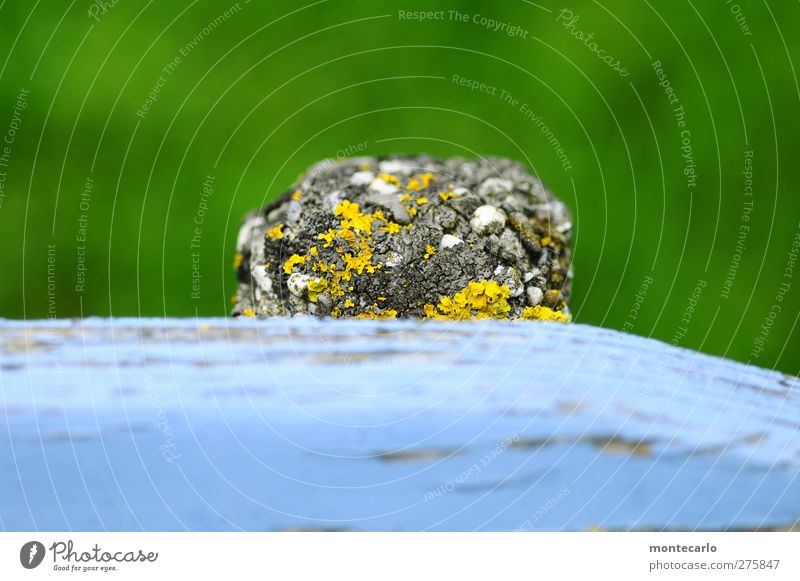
[{"x": 408, "y": 237}]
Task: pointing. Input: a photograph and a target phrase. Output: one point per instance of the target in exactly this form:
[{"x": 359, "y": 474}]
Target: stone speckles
[{"x": 408, "y": 237}]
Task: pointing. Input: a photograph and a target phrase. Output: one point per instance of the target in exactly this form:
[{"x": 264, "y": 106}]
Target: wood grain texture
[{"x": 224, "y": 424}]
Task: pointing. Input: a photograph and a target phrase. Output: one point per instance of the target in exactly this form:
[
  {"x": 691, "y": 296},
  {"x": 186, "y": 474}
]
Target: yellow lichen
[
  {"x": 429, "y": 251},
  {"x": 405, "y": 197},
  {"x": 327, "y": 237},
  {"x": 293, "y": 261},
  {"x": 448, "y": 195},
  {"x": 353, "y": 218},
  {"x": 347, "y": 236},
  {"x": 346, "y": 209},
  {"x": 479, "y": 300},
  {"x": 349, "y": 304},
  {"x": 355, "y": 230},
  {"x": 275, "y": 233},
  {"x": 421, "y": 182},
  {"x": 315, "y": 288},
  {"x": 389, "y": 179},
  {"x": 422, "y": 201},
  {"x": 249, "y": 313},
  {"x": 361, "y": 261},
  {"x": 546, "y": 240},
  {"x": 296, "y": 195},
  {"x": 237, "y": 260},
  {"x": 542, "y": 313},
  {"x": 374, "y": 313},
  {"x": 390, "y": 227}
]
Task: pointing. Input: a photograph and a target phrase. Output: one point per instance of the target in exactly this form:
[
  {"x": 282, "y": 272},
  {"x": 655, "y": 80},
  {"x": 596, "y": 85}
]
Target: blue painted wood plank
[{"x": 227, "y": 424}]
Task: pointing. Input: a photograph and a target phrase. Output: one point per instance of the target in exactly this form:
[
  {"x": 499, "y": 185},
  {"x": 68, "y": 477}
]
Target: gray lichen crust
[{"x": 408, "y": 237}]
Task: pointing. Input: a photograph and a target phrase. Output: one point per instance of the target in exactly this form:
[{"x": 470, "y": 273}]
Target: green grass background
[{"x": 279, "y": 85}]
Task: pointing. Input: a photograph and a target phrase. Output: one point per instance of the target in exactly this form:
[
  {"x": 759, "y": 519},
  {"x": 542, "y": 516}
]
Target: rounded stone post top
[{"x": 408, "y": 237}]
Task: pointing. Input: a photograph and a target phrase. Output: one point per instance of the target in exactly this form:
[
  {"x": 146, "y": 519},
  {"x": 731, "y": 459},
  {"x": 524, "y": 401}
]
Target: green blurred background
[{"x": 261, "y": 91}]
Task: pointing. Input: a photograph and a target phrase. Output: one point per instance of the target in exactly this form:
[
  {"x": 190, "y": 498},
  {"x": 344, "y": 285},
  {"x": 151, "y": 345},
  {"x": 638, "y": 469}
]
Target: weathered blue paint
[{"x": 301, "y": 424}]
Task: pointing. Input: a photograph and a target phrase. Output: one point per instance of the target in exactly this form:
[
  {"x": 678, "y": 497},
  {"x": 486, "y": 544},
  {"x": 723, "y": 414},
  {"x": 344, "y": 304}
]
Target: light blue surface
[{"x": 229, "y": 425}]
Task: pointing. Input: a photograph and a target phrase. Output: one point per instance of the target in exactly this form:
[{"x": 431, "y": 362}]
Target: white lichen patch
[
  {"x": 487, "y": 220},
  {"x": 392, "y": 166},
  {"x": 252, "y": 228},
  {"x": 294, "y": 212},
  {"x": 509, "y": 276},
  {"x": 449, "y": 241},
  {"x": 332, "y": 200},
  {"x": 535, "y": 295},
  {"x": 394, "y": 259},
  {"x": 262, "y": 280},
  {"x": 555, "y": 213},
  {"x": 298, "y": 284},
  {"x": 362, "y": 178},
  {"x": 495, "y": 186},
  {"x": 379, "y": 186}
]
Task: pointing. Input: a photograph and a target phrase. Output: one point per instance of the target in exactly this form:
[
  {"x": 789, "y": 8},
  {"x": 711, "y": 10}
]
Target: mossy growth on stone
[{"x": 408, "y": 237}]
